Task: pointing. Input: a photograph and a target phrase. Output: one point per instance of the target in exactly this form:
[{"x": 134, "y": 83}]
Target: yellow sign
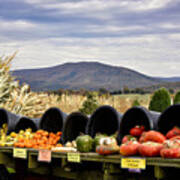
[
  {"x": 73, "y": 157},
  {"x": 133, "y": 163},
  {"x": 20, "y": 153}
]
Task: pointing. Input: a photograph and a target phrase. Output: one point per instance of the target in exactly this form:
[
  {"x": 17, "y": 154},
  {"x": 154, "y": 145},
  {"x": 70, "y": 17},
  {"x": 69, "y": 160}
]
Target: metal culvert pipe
[
  {"x": 169, "y": 118},
  {"x": 52, "y": 120},
  {"x": 9, "y": 118},
  {"x": 75, "y": 124},
  {"x": 104, "y": 120},
  {"x": 25, "y": 123},
  {"x": 137, "y": 116}
]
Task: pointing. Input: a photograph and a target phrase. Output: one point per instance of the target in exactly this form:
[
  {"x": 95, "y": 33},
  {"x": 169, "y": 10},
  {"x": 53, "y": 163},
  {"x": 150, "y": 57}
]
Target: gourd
[
  {"x": 107, "y": 149},
  {"x": 84, "y": 143}
]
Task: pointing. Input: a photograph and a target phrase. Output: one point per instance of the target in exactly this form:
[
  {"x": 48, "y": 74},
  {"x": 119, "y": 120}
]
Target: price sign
[
  {"x": 73, "y": 157},
  {"x": 133, "y": 163},
  {"x": 44, "y": 155},
  {"x": 20, "y": 153}
]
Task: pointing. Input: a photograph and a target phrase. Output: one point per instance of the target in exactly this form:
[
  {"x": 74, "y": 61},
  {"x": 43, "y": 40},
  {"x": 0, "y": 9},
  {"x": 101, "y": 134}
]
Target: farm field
[{"x": 121, "y": 103}]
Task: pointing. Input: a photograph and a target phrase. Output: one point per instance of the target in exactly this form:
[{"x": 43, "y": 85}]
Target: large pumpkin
[
  {"x": 84, "y": 143},
  {"x": 150, "y": 149}
]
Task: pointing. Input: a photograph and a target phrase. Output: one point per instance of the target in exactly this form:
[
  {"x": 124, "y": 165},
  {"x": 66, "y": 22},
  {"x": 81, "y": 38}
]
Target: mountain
[{"x": 88, "y": 75}]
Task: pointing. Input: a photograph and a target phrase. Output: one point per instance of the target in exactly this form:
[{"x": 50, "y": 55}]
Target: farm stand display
[{"x": 105, "y": 167}]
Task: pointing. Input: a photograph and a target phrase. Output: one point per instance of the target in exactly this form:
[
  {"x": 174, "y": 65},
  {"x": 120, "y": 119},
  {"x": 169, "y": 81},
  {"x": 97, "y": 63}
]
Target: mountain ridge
[{"x": 88, "y": 75}]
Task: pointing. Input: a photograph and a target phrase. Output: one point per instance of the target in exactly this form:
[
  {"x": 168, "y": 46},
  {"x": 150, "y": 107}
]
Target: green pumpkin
[
  {"x": 97, "y": 139},
  {"x": 84, "y": 143}
]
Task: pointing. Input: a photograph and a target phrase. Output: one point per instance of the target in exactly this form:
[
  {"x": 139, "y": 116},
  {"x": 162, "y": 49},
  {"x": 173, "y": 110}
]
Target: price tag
[
  {"x": 44, "y": 155},
  {"x": 20, "y": 153},
  {"x": 133, "y": 163},
  {"x": 73, "y": 157}
]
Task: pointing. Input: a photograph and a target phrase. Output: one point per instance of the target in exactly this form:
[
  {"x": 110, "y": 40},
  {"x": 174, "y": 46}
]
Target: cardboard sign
[
  {"x": 133, "y": 163},
  {"x": 20, "y": 153},
  {"x": 73, "y": 157},
  {"x": 44, "y": 155}
]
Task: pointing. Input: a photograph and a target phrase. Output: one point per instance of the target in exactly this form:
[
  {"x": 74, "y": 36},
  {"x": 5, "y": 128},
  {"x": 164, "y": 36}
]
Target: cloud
[
  {"x": 143, "y": 35},
  {"x": 145, "y": 54},
  {"x": 16, "y": 25}
]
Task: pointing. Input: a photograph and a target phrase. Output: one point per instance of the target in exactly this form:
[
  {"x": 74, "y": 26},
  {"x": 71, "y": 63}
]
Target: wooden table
[{"x": 92, "y": 165}]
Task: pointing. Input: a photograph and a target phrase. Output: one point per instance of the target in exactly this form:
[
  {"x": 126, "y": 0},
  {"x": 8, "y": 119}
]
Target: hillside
[
  {"x": 88, "y": 75},
  {"x": 169, "y": 85}
]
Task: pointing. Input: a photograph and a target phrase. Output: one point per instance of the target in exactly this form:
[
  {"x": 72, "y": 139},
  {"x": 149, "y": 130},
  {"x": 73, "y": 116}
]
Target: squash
[
  {"x": 107, "y": 149},
  {"x": 84, "y": 143},
  {"x": 150, "y": 149},
  {"x": 97, "y": 139},
  {"x": 129, "y": 148}
]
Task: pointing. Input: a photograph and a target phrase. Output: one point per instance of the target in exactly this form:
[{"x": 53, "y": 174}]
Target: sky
[{"x": 143, "y": 35}]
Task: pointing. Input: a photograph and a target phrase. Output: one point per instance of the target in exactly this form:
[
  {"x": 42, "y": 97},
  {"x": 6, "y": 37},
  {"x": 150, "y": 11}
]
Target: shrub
[
  {"x": 89, "y": 105},
  {"x": 177, "y": 98},
  {"x": 160, "y": 100},
  {"x": 135, "y": 103}
]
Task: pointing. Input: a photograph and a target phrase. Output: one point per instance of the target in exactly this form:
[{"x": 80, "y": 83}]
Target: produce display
[
  {"x": 144, "y": 143},
  {"x": 138, "y": 142},
  {"x": 39, "y": 140},
  {"x": 151, "y": 143},
  {"x": 6, "y": 140}
]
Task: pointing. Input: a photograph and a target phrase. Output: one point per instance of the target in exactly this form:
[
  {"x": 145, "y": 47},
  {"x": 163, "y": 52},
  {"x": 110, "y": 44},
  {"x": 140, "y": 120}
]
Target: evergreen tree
[
  {"x": 89, "y": 105},
  {"x": 160, "y": 100},
  {"x": 177, "y": 98}
]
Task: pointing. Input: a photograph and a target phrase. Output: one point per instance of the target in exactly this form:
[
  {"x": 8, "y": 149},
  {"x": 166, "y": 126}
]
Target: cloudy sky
[{"x": 139, "y": 34}]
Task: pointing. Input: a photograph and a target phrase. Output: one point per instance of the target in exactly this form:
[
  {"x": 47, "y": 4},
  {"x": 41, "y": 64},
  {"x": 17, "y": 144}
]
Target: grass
[{"x": 71, "y": 103}]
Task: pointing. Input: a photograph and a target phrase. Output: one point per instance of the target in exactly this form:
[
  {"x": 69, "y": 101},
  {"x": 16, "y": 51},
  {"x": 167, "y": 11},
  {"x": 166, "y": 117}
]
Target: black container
[
  {"x": 17, "y": 122},
  {"x": 75, "y": 125},
  {"x": 24, "y": 123},
  {"x": 9, "y": 118},
  {"x": 105, "y": 120},
  {"x": 52, "y": 120},
  {"x": 137, "y": 116},
  {"x": 169, "y": 118}
]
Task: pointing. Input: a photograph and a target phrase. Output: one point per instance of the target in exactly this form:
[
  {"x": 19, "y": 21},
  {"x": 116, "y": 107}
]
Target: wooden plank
[
  {"x": 94, "y": 157},
  {"x": 7, "y": 160}
]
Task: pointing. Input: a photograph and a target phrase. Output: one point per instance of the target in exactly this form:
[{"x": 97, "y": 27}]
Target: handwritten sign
[
  {"x": 20, "y": 153},
  {"x": 73, "y": 157},
  {"x": 44, "y": 155},
  {"x": 133, "y": 163}
]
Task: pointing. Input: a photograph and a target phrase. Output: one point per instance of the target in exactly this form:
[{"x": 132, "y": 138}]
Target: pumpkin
[
  {"x": 152, "y": 136},
  {"x": 150, "y": 149},
  {"x": 84, "y": 143},
  {"x": 171, "y": 148},
  {"x": 108, "y": 141},
  {"x": 128, "y": 138},
  {"x": 129, "y": 148},
  {"x": 170, "y": 152},
  {"x": 137, "y": 131},
  {"x": 107, "y": 149},
  {"x": 97, "y": 139},
  {"x": 175, "y": 131}
]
